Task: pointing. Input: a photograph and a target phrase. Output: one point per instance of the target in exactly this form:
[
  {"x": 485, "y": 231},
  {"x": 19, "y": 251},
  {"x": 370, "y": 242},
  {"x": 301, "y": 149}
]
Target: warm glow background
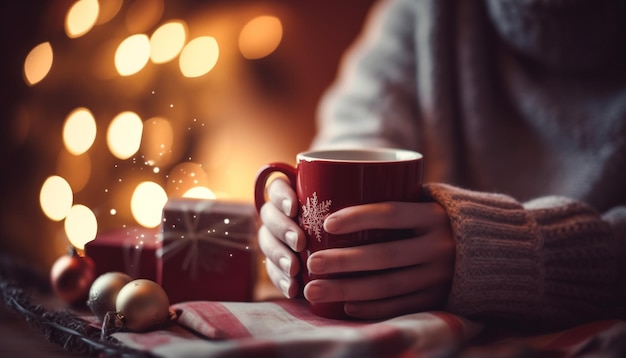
[{"x": 151, "y": 99}]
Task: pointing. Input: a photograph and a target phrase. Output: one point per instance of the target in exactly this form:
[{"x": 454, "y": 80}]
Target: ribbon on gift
[{"x": 192, "y": 235}]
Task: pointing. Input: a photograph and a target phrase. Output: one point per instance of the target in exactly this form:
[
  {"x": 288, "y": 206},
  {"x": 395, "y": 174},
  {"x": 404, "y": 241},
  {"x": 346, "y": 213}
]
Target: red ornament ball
[{"x": 71, "y": 277}]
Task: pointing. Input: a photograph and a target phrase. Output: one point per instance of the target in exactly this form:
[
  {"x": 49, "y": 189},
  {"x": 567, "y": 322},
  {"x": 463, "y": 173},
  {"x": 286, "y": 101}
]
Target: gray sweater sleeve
[{"x": 553, "y": 260}]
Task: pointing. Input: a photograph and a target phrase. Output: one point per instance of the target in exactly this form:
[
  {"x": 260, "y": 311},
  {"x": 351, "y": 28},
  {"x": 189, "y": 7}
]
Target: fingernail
[
  {"x": 291, "y": 237},
  {"x": 316, "y": 265},
  {"x": 314, "y": 292},
  {"x": 286, "y": 204},
  {"x": 285, "y": 265},
  {"x": 284, "y": 287},
  {"x": 331, "y": 223}
]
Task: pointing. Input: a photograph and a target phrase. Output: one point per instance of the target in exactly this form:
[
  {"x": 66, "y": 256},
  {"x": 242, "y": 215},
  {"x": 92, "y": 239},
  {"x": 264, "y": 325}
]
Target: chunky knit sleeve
[{"x": 552, "y": 260}]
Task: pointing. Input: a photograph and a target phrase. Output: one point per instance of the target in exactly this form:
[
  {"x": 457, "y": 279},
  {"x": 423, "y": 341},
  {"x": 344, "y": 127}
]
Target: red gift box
[
  {"x": 208, "y": 250},
  {"x": 130, "y": 250}
]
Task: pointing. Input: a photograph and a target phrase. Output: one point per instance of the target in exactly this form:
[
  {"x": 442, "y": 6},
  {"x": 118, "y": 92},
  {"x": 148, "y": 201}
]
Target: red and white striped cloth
[{"x": 286, "y": 328}]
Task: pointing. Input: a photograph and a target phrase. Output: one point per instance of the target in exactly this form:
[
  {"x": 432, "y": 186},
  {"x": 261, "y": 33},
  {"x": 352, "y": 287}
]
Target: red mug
[{"x": 328, "y": 180}]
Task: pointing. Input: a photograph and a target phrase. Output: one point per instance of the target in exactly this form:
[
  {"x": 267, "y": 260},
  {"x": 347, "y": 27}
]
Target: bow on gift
[{"x": 192, "y": 234}]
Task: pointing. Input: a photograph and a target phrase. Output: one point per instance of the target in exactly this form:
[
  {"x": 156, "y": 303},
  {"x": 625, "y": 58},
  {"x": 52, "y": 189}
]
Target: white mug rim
[{"x": 325, "y": 155}]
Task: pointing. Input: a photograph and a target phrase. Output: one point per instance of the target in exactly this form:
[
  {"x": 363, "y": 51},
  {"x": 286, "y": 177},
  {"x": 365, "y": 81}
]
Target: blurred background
[{"x": 108, "y": 108}]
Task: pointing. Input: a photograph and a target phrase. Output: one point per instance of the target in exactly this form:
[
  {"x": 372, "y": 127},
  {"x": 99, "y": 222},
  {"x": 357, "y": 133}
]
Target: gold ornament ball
[
  {"x": 143, "y": 305},
  {"x": 103, "y": 292}
]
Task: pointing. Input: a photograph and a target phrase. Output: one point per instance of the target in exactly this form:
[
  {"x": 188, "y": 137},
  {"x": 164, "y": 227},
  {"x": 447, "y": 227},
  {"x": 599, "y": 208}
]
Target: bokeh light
[
  {"x": 199, "y": 192},
  {"x": 167, "y": 41},
  {"x": 132, "y": 54},
  {"x": 147, "y": 202},
  {"x": 260, "y": 37},
  {"x": 157, "y": 141},
  {"x": 38, "y": 63},
  {"x": 81, "y": 226},
  {"x": 56, "y": 198},
  {"x": 199, "y": 56},
  {"x": 79, "y": 131},
  {"x": 81, "y": 18},
  {"x": 124, "y": 135}
]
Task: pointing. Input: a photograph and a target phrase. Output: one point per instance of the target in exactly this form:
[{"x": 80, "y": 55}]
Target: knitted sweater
[{"x": 519, "y": 107}]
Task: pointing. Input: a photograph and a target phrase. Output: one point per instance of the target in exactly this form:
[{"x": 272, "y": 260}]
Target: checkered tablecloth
[{"x": 286, "y": 328}]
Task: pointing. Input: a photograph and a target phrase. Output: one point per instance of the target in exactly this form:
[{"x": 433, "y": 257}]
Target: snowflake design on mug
[{"x": 313, "y": 215}]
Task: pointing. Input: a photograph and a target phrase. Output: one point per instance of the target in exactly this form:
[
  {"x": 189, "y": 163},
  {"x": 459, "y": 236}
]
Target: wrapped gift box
[
  {"x": 208, "y": 250},
  {"x": 131, "y": 250}
]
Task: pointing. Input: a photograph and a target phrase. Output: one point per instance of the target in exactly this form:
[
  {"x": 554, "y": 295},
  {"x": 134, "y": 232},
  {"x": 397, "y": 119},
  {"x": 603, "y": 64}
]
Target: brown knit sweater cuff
[{"x": 541, "y": 262}]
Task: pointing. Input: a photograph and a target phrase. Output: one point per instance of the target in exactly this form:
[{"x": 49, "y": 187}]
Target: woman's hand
[
  {"x": 403, "y": 276},
  {"x": 417, "y": 271},
  {"x": 280, "y": 236}
]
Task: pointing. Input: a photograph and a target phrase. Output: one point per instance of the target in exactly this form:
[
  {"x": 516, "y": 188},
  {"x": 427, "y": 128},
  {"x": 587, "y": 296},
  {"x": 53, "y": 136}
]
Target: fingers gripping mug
[{"x": 328, "y": 180}]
